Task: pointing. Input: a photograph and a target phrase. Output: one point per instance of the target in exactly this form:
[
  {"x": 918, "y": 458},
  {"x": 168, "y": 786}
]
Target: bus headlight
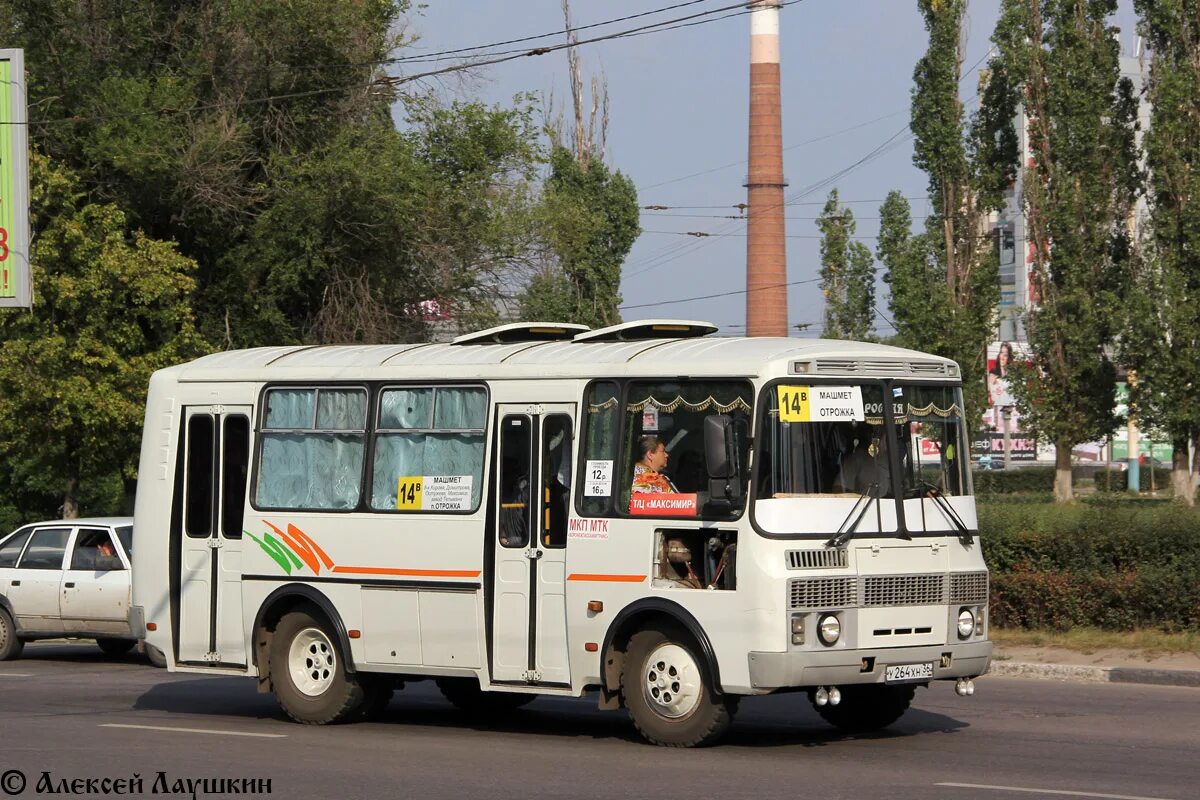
[
  {"x": 829, "y": 629},
  {"x": 966, "y": 623}
]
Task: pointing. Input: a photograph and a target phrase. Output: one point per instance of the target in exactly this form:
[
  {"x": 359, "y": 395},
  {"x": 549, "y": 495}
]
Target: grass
[{"x": 1089, "y": 640}]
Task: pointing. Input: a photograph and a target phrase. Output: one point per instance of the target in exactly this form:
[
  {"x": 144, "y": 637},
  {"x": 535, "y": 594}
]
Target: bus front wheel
[
  {"x": 308, "y": 675},
  {"x": 867, "y": 707},
  {"x": 669, "y": 694}
]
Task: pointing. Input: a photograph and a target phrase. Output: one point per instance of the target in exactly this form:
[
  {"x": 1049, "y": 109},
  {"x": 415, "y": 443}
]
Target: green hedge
[
  {"x": 1113, "y": 565},
  {"x": 1011, "y": 481}
]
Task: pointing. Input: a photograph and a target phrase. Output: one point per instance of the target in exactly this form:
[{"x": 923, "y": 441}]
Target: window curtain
[
  {"x": 402, "y": 409},
  {"x": 342, "y": 410},
  {"x": 290, "y": 408},
  {"x": 310, "y": 471},
  {"x": 400, "y": 455}
]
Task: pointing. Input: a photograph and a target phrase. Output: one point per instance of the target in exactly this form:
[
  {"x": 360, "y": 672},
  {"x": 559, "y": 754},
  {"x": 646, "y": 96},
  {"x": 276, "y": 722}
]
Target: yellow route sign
[{"x": 408, "y": 492}]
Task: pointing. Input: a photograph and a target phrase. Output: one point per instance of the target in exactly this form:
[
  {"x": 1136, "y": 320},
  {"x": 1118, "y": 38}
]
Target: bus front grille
[
  {"x": 904, "y": 590},
  {"x": 821, "y": 593},
  {"x": 968, "y": 587}
]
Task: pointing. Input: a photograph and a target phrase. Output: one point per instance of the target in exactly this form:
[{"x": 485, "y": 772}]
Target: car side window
[
  {"x": 11, "y": 549},
  {"x": 46, "y": 549},
  {"x": 94, "y": 550}
]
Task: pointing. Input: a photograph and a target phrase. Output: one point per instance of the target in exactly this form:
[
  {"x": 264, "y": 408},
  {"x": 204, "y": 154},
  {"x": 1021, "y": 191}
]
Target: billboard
[
  {"x": 990, "y": 440},
  {"x": 15, "y": 289}
]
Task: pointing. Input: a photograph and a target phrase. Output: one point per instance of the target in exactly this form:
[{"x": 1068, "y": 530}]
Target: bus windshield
[
  {"x": 934, "y": 445},
  {"x": 823, "y": 442}
]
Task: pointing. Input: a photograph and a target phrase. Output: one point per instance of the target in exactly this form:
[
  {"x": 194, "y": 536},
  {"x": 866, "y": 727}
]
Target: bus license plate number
[{"x": 899, "y": 673}]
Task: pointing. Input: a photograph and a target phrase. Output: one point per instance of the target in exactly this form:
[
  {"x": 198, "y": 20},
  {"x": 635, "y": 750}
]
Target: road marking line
[
  {"x": 16, "y": 674},
  {"x": 196, "y": 730},
  {"x": 1049, "y": 791}
]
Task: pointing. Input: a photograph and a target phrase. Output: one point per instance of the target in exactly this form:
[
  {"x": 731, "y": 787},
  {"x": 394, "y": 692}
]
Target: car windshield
[{"x": 125, "y": 534}]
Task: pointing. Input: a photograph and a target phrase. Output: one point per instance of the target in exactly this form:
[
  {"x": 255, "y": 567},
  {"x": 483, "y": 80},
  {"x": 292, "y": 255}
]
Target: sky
[{"x": 679, "y": 101}]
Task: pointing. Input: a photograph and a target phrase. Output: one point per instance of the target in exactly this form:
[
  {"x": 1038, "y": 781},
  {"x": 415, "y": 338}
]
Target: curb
[{"x": 1086, "y": 674}]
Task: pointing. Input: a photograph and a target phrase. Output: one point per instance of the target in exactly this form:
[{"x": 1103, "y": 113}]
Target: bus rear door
[{"x": 529, "y": 623}]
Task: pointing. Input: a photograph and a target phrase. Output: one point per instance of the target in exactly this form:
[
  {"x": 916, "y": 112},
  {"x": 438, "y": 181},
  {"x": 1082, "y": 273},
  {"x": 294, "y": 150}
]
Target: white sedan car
[{"x": 67, "y": 579}]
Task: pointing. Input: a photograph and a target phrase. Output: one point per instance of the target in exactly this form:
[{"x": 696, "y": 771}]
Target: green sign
[{"x": 14, "y": 183}]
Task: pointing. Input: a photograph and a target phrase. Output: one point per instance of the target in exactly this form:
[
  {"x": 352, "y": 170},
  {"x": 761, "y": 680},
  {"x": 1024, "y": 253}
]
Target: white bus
[{"x": 337, "y": 520}]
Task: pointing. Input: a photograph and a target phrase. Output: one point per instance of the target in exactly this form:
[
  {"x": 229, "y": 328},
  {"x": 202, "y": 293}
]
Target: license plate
[{"x": 899, "y": 673}]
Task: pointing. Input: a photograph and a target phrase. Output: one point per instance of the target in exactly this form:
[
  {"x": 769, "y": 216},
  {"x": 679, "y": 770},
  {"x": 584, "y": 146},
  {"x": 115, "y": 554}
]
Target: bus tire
[
  {"x": 867, "y": 707},
  {"x": 666, "y": 687},
  {"x": 115, "y": 647},
  {"x": 308, "y": 673},
  {"x": 466, "y": 695},
  {"x": 10, "y": 645}
]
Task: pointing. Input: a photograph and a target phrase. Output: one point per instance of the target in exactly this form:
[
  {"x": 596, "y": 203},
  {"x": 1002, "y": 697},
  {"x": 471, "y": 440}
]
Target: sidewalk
[{"x": 1115, "y": 666}]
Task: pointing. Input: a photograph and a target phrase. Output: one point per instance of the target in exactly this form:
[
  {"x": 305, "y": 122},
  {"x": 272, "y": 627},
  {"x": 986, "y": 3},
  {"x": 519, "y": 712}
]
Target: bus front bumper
[{"x": 840, "y": 667}]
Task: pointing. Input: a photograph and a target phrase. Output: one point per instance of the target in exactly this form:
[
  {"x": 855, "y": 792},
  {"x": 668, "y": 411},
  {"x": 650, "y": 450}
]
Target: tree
[
  {"x": 919, "y": 295},
  {"x": 847, "y": 274},
  {"x": 111, "y": 306},
  {"x": 1078, "y": 197},
  {"x": 945, "y": 285},
  {"x": 1165, "y": 292},
  {"x": 588, "y": 219}
]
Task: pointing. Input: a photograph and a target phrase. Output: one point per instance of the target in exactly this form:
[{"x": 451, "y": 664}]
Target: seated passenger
[
  {"x": 648, "y": 475},
  {"x": 866, "y": 464}
]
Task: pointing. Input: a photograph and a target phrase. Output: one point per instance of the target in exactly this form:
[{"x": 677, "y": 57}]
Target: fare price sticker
[{"x": 820, "y": 404}]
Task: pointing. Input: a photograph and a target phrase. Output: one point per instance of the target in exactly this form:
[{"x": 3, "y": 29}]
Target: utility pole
[{"x": 766, "y": 254}]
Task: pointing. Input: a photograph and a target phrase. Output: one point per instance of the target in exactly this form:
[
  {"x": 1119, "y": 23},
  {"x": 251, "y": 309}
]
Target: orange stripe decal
[
  {"x": 418, "y": 573},
  {"x": 584, "y": 576}
]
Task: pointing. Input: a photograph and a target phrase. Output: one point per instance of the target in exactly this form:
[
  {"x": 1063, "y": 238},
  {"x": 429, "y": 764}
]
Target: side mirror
[{"x": 720, "y": 451}]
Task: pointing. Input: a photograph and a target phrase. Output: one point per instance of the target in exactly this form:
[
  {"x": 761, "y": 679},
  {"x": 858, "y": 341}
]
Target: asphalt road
[{"x": 68, "y": 711}]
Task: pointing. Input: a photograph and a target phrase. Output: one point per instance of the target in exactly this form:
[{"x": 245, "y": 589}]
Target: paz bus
[{"x": 336, "y": 521}]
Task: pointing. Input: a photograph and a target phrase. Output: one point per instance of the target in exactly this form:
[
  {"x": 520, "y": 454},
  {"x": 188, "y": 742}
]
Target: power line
[
  {"x": 719, "y": 294},
  {"x": 703, "y": 17}
]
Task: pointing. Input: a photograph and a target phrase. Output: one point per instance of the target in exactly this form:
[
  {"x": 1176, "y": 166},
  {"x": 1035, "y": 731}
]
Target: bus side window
[
  {"x": 556, "y": 479},
  {"x": 516, "y": 463}
]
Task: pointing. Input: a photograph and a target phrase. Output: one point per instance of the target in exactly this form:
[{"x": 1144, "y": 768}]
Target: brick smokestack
[{"x": 766, "y": 254}]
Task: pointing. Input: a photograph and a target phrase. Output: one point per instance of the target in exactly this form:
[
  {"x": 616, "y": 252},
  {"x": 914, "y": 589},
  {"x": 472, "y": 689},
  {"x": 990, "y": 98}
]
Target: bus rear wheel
[
  {"x": 669, "y": 694},
  {"x": 308, "y": 675},
  {"x": 867, "y": 707}
]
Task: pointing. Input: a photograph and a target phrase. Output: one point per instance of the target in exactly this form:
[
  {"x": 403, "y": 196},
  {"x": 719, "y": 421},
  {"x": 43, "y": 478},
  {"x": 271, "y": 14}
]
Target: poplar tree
[
  {"x": 847, "y": 274},
  {"x": 944, "y": 283},
  {"x": 1164, "y": 334},
  {"x": 1078, "y": 196}
]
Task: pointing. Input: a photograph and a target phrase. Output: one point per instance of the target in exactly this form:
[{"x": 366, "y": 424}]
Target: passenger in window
[
  {"x": 648, "y": 475},
  {"x": 866, "y": 464},
  {"x": 104, "y": 549}
]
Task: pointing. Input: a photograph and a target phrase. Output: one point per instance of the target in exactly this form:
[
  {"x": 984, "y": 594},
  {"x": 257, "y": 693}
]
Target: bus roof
[{"x": 706, "y": 356}]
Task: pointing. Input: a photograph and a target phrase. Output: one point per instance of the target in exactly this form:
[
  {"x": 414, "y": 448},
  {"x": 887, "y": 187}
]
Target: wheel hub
[
  {"x": 312, "y": 662},
  {"x": 671, "y": 681}
]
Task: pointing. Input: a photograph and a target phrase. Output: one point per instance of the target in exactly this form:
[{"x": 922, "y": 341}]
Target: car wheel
[
  {"x": 867, "y": 707},
  {"x": 155, "y": 657},
  {"x": 466, "y": 695},
  {"x": 116, "y": 647},
  {"x": 308, "y": 675},
  {"x": 10, "y": 645},
  {"x": 667, "y": 689}
]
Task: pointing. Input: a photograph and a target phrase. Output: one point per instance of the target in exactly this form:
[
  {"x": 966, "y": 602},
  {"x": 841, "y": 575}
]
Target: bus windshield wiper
[
  {"x": 939, "y": 499},
  {"x": 845, "y": 534}
]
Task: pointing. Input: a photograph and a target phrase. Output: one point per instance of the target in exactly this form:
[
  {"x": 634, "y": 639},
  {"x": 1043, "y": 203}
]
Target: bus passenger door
[
  {"x": 216, "y": 463},
  {"x": 529, "y": 628}
]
